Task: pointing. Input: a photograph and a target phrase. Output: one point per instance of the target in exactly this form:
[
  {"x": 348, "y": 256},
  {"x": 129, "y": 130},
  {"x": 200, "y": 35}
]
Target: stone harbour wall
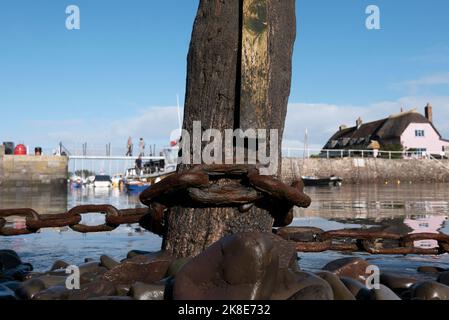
[
  {"x": 369, "y": 170},
  {"x": 33, "y": 171}
]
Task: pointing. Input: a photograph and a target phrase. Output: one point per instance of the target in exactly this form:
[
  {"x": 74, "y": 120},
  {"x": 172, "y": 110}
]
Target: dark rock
[
  {"x": 444, "y": 278},
  {"x": 242, "y": 266},
  {"x": 92, "y": 290},
  {"x": 53, "y": 293},
  {"x": 351, "y": 267},
  {"x": 430, "y": 269},
  {"x": 19, "y": 272},
  {"x": 358, "y": 290},
  {"x": 430, "y": 290},
  {"x": 397, "y": 282},
  {"x": 6, "y": 293},
  {"x": 93, "y": 276},
  {"x": 51, "y": 281},
  {"x": 299, "y": 234},
  {"x": 9, "y": 259},
  {"x": 28, "y": 289},
  {"x": 290, "y": 282},
  {"x": 123, "y": 289},
  {"x": 383, "y": 293},
  {"x": 91, "y": 266},
  {"x": 32, "y": 275},
  {"x": 143, "y": 291},
  {"x": 176, "y": 265},
  {"x": 88, "y": 260},
  {"x": 314, "y": 292},
  {"x": 108, "y": 262},
  {"x": 13, "y": 285},
  {"x": 139, "y": 268},
  {"x": 111, "y": 298},
  {"x": 134, "y": 253},
  {"x": 338, "y": 288},
  {"x": 59, "y": 264}
]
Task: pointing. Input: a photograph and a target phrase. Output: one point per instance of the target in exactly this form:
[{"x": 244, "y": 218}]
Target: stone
[
  {"x": 139, "y": 268},
  {"x": 92, "y": 290},
  {"x": 51, "y": 281},
  {"x": 290, "y": 282},
  {"x": 134, "y": 253},
  {"x": 383, "y": 293},
  {"x": 91, "y": 266},
  {"x": 299, "y": 234},
  {"x": 19, "y": 272},
  {"x": 430, "y": 269},
  {"x": 444, "y": 278},
  {"x": 338, "y": 288},
  {"x": 13, "y": 285},
  {"x": 143, "y": 291},
  {"x": 108, "y": 262},
  {"x": 28, "y": 289},
  {"x": 9, "y": 259},
  {"x": 111, "y": 298},
  {"x": 358, "y": 290},
  {"x": 6, "y": 293},
  {"x": 241, "y": 266},
  {"x": 397, "y": 282},
  {"x": 430, "y": 290},
  {"x": 351, "y": 267},
  {"x": 59, "y": 264},
  {"x": 123, "y": 289},
  {"x": 314, "y": 292},
  {"x": 53, "y": 293},
  {"x": 176, "y": 265},
  {"x": 94, "y": 275}
]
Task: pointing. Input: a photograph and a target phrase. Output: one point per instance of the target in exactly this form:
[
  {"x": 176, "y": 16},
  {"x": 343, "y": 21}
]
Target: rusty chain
[{"x": 228, "y": 186}]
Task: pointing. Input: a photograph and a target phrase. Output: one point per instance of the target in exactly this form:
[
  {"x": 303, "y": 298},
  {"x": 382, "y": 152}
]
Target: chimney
[
  {"x": 359, "y": 122},
  {"x": 429, "y": 112},
  {"x": 343, "y": 127}
]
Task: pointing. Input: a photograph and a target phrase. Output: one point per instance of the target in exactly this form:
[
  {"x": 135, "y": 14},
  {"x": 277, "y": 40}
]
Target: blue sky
[{"x": 120, "y": 73}]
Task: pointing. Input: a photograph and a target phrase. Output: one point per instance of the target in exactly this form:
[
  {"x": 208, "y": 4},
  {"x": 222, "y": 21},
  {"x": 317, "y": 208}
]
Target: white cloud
[{"x": 414, "y": 86}]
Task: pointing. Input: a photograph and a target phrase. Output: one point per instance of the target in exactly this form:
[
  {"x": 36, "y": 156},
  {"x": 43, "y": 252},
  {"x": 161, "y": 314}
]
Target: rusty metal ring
[
  {"x": 105, "y": 209},
  {"x": 27, "y": 213}
]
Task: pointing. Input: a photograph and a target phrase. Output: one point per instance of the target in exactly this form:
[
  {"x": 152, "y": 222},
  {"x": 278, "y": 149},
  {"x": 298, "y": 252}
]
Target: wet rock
[
  {"x": 176, "y": 265},
  {"x": 28, "y": 289},
  {"x": 134, "y": 253},
  {"x": 53, "y": 293},
  {"x": 139, "y": 268},
  {"x": 111, "y": 298},
  {"x": 290, "y": 282},
  {"x": 397, "y": 282},
  {"x": 358, "y": 290},
  {"x": 314, "y": 292},
  {"x": 241, "y": 266},
  {"x": 444, "y": 278},
  {"x": 13, "y": 285},
  {"x": 88, "y": 260},
  {"x": 123, "y": 289},
  {"x": 430, "y": 290},
  {"x": 91, "y": 266},
  {"x": 6, "y": 293},
  {"x": 18, "y": 273},
  {"x": 95, "y": 275},
  {"x": 338, "y": 288},
  {"x": 59, "y": 264},
  {"x": 143, "y": 291},
  {"x": 32, "y": 275},
  {"x": 351, "y": 267},
  {"x": 108, "y": 262},
  {"x": 92, "y": 290},
  {"x": 51, "y": 281},
  {"x": 9, "y": 259},
  {"x": 383, "y": 293},
  {"x": 299, "y": 234},
  {"x": 430, "y": 269}
]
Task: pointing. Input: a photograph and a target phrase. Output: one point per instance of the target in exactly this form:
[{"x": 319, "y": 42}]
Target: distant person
[
  {"x": 141, "y": 148},
  {"x": 139, "y": 165},
  {"x": 129, "y": 147}
]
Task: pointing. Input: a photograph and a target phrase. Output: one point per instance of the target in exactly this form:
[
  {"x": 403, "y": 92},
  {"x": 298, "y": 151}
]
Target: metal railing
[{"x": 348, "y": 153}]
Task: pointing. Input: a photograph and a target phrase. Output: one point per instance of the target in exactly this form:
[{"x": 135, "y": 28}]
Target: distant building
[{"x": 411, "y": 130}]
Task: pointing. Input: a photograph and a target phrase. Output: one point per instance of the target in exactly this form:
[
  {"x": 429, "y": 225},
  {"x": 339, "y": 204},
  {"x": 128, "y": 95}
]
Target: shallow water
[{"x": 402, "y": 208}]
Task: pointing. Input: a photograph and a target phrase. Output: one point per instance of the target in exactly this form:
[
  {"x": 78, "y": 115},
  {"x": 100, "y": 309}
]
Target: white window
[{"x": 419, "y": 133}]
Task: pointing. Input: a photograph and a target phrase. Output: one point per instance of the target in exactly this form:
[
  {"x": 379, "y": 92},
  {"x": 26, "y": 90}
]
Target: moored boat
[{"x": 321, "y": 181}]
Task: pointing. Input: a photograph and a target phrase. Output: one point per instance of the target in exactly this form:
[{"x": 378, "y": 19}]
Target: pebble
[
  {"x": 358, "y": 290},
  {"x": 430, "y": 290},
  {"x": 383, "y": 293},
  {"x": 339, "y": 289},
  {"x": 351, "y": 267}
]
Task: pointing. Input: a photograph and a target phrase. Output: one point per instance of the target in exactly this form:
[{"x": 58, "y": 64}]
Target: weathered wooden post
[{"x": 239, "y": 76}]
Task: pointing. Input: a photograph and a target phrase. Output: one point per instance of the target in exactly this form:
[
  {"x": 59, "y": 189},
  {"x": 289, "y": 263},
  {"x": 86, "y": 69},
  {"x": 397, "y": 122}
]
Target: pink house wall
[{"x": 431, "y": 140}]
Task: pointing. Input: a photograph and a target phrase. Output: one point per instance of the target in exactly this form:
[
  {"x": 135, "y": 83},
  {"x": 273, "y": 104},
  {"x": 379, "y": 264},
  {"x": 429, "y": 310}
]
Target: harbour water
[{"x": 402, "y": 208}]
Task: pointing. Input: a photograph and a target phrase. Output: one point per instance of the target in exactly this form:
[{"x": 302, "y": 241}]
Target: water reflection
[{"x": 397, "y": 208}]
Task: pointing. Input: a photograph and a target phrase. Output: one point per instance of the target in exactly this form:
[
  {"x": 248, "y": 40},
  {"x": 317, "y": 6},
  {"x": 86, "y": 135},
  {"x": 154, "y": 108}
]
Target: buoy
[{"x": 20, "y": 150}]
